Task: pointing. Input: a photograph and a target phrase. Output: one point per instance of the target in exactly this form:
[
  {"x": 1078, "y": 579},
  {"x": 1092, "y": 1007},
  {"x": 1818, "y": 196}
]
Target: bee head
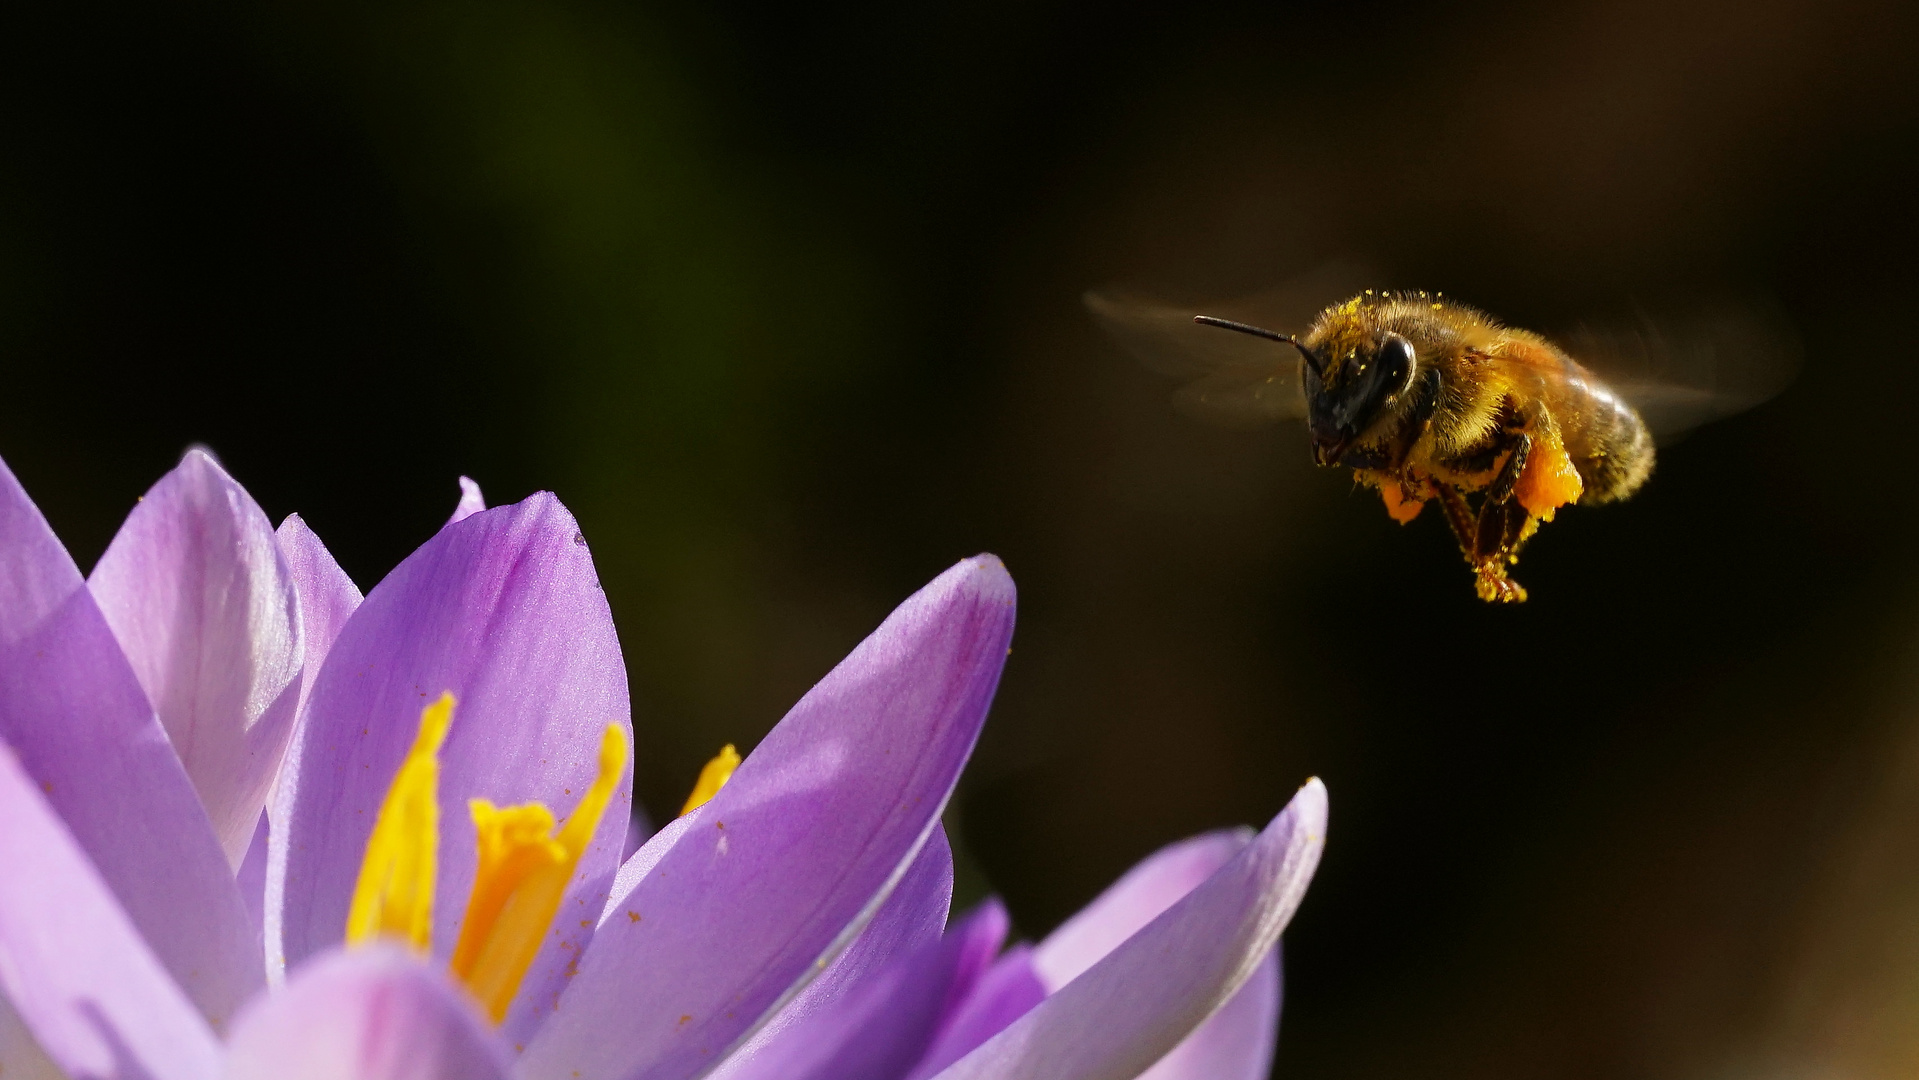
[
  {"x": 1348, "y": 392},
  {"x": 1348, "y": 386}
]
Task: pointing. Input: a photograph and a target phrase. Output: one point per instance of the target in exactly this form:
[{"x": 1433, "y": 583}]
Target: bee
[{"x": 1429, "y": 400}]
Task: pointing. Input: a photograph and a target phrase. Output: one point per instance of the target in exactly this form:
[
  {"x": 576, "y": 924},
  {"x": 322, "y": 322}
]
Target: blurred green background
[{"x": 783, "y": 301}]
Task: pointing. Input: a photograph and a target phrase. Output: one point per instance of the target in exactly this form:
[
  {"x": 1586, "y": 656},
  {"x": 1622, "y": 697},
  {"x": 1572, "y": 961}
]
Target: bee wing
[
  {"x": 1165, "y": 338},
  {"x": 1682, "y": 372},
  {"x": 1233, "y": 379},
  {"x": 1243, "y": 397}
]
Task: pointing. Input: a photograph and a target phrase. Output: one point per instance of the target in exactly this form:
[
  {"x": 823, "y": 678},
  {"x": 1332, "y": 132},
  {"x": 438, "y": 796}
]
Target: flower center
[{"x": 522, "y": 874}]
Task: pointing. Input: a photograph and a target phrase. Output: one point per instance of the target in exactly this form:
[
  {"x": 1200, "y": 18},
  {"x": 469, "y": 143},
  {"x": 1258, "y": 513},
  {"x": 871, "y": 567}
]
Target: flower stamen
[
  {"x": 523, "y": 871},
  {"x": 394, "y": 895},
  {"x": 712, "y": 778},
  {"x": 523, "y": 868}
]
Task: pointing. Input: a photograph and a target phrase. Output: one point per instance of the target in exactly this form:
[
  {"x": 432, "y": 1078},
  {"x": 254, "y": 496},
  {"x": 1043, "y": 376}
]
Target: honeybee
[{"x": 1430, "y": 400}]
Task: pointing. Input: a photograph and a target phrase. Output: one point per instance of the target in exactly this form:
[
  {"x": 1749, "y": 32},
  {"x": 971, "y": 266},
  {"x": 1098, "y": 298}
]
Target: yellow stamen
[
  {"x": 712, "y": 778},
  {"x": 521, "y": 878},
  {"x": 394, "y": 896}
]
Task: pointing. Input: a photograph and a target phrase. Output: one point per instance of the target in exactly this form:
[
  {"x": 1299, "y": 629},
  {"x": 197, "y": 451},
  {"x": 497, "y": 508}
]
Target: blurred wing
[
  {"x": 1166, "y": 339},
  {"x": 1243, "y": 397},
  {"x": 1683, "y": 372},
  {"x": 1232, "y": 379},
  {"x": 1235, "y": 380}
]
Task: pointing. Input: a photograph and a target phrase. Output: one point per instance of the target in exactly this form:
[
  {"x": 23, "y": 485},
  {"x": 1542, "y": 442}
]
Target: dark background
[{"x": 783, "y": 301}]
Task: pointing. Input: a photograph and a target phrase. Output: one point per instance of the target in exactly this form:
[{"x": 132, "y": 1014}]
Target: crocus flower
[{"x": 252, "y": 827}]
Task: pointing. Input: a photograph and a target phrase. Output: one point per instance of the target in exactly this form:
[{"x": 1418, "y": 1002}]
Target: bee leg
[
  {"x": 1520, "y": 527},
  {"x": 1489, "y": 562},
  {"x": 1460, "y": 517},
  {"x": 1491, "y": 568},
  {"x": 1502, "y": 525},
  {"x": 1501, "y": 522},
  {"x": 1520, "y": 524},
  {"x": 1489, "y": 532},
  {"x": 1502, "y": 486},
  {"x": 1494, "y": 587}
]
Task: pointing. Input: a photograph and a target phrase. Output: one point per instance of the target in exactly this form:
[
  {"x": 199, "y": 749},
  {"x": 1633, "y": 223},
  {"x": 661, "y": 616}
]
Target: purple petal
[
  {"x": 251, "y": 878},
  {"x": 1005, "y": 992},
  {"x": 910, "y": 920},
  {"x": 471, "y": 501},
  {"x": 1235, "y": 1043},
  {"x": 327, "y": 595},
  {"x": 1154, "y": 884},
  {"x": 979, "y": 935},
  {"x": 75, "y": 715},
  {"x": 368, "y": 1014},
  {"x": 913, "y": 915},
  {"x": 71, "y": 963},
  {"x": 642, "y": 862},
  {"x": 1130, "y": 1009},
  {"x": 639, "y": 829},
  {"x": 804, "y": 842},
  {"x": 205, "y": 610},
  {"x": 327, "y": 599},
  {"x": 1024, "y": 977},
  {"x": 503, "y": 609},
  {"x": 879, "y": 1029}
]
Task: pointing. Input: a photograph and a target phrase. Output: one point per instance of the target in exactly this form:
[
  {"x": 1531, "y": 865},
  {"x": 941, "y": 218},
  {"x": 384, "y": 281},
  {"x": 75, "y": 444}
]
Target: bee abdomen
[{"x": 1617, "y": 453}]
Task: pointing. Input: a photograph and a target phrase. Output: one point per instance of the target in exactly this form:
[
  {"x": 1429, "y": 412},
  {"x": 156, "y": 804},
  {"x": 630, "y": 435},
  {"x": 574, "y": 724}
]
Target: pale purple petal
[
  {"x": 1130, "y": 1009},
  {"x": 913, "y": 915},
  {"x": 327, "y": 599},
  {"x": 883, "y": 1025},
  {"x": 795, "y": 851},
  {"x": 75, "y": 715},
  {"x": 641, "y": 863},
  {"x": 1235, "y": 1043},
  {"x": 1006, "y": 991},
  {"x": 978, "y": 935},
  {"x": 71, "y": 963},
  {"x": 471, "y": 501},
  {"x": 205, "y": 610},
  {"x": 504, "y": 609},
  {"x": 251, "y": 878},
  {"x": 327, "y": 595},
  {"x": 368, "y": 1014},
  {"x": 639, "y": 829},
  {"x": 911, "y": 919},
  {"x": 1024, "y": 977},
  {"x": 1154, "y": 884}
]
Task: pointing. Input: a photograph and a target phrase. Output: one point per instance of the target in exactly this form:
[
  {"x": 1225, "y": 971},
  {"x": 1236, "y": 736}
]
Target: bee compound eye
[
  {"x": 1395, "y": 353},
  {"x": 1395, "y": 361}
]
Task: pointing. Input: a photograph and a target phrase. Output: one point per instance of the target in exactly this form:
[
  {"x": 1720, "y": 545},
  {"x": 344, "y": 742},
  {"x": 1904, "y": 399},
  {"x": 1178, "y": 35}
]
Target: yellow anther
[
  {"x": 712, "y": 778},
  {"x": 394, "y": 896},
  {"x": 521, "y": 878}
]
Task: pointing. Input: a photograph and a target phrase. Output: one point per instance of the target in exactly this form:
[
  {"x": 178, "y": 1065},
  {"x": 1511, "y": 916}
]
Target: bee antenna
[{"x": 1260, "y": 331}]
